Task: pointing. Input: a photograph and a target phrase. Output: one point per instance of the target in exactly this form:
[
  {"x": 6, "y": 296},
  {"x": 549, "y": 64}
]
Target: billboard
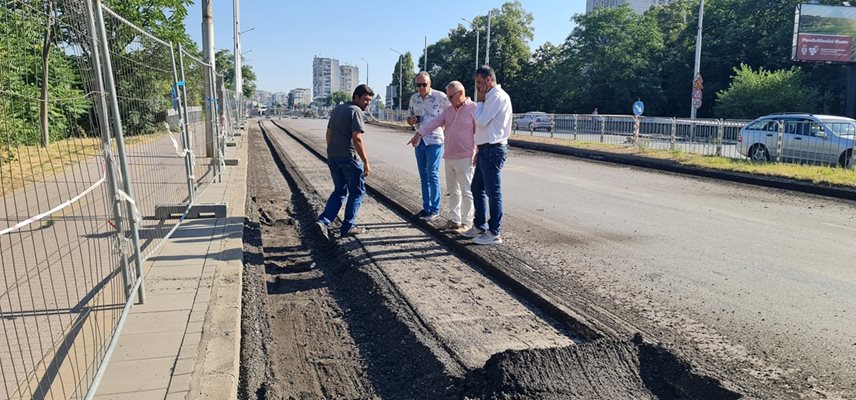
[{"x": 824, "y": 33}]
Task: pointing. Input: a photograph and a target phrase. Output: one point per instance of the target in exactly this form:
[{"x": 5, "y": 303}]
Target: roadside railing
[
  {"x": 699, "y": 136},
  {"x": 100, "y": 127},
  {"x": 792, "y": 140}
]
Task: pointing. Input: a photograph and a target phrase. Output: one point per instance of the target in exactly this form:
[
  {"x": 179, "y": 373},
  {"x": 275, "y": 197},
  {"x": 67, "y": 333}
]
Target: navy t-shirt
[{"x": 345, "y": 119}]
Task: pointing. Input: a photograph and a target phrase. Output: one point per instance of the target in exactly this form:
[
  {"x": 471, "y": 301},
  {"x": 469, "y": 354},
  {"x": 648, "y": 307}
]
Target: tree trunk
[{"x": 44, "y": 106}]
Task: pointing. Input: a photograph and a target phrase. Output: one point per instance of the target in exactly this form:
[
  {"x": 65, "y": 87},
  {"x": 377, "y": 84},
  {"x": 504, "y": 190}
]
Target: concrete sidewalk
[{"x": 184, "y": 342}]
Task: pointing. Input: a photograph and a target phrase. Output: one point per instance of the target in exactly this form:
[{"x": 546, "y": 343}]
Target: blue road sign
[{"x": 638, "y": 108}]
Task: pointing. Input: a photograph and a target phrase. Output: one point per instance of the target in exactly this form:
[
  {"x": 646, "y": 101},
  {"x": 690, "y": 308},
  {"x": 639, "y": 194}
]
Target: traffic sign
[
  {"x": 697, "y": 94},
  {"x": 696, "y": 103},
  {"x": 638, "y": 108}
]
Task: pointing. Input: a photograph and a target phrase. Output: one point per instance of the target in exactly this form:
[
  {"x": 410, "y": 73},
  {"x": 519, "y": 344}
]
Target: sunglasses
[{"x": 422, "y": 84}]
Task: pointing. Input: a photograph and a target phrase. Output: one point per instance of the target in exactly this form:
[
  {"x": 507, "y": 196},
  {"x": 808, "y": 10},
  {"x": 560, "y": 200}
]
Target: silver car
[
  {"x": 806, "y": 139},
  {"x": 533, "y": 121}
]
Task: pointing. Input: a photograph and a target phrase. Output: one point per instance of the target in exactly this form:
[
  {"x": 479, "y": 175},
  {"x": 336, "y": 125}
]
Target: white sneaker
[
  {"x": 473, "y": 232},
  {"x": 488, "y": 238}
]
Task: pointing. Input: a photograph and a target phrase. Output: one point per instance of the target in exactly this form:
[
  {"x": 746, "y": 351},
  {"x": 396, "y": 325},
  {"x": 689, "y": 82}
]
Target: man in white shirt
[
  {"x": 493, "y": 127},
  {"x": 425, "y": 105}
]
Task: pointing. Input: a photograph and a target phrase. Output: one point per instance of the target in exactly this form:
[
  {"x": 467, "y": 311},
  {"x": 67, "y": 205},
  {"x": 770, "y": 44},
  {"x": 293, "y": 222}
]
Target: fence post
[
  {"x": 213, "y": 115},
  {"x": 552, "y": 124},
  {"x": 576, "y": 118},
  {"x": 188, "y": 144},
  {"x": 104, "y": 126},
  {"x": 182, "y": 112},
  {"x": 673, "y": 138},
  {"x": 110, "y": 87},
  {"x": 602, "y": 128},
  {"x": 720, "y": 131},
  {"x": 780, "y": 137}
]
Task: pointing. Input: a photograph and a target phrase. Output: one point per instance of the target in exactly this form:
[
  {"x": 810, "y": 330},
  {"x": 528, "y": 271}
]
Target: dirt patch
[
  {"x": 603, "y": 369},
  {"x": 295, "y": 343},
  {"x": 402, "y": 363}
]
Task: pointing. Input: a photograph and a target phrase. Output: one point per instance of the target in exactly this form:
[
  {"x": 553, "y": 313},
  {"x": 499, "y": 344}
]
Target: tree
[
  {"x": 162, "y": 18},
  {"x": 752, "y": 93},
  {"x": 452, "y": 58},
  {"x": 340, "y": 97},
  {"x": 38, "y": 65},
  {"x": 408, "y": 81},
  {"x": 541, "y": 87},
  {"x": 610, "y": 63},
  {"x": 511, "y": 32},
  {"x": 225, "y": 62},
  {"x": 677, "y": 22}
]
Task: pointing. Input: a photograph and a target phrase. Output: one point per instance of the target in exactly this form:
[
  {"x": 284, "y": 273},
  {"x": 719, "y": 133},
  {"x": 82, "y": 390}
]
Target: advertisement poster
[{"x": 825, "y": 33}]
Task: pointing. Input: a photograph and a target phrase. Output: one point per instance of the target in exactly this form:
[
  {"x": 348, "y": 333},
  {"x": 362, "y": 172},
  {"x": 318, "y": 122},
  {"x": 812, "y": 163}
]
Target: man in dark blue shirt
[{"x": 346, "y": 157}]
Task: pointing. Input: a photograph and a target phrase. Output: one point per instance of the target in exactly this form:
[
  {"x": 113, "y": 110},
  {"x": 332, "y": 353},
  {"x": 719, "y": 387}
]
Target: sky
[{"x": 287, "y": 34}]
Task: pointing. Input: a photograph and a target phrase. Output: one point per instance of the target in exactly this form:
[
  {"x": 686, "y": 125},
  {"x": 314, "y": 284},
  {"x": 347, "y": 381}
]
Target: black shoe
[
  {"x": 421, "y": 214},
  {"x": 322, "y": 229}
]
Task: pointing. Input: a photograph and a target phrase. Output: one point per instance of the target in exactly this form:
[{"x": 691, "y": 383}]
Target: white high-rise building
[
  {"x": 350, "y": 78},
  {"x": 639, "y": 6},
  {"x": 325, "y": 76},
  {"x": 302, "y": 97}
]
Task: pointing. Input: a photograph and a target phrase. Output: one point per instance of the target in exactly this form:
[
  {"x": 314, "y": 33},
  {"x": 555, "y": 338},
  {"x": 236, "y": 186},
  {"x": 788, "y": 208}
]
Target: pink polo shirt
[{"x": 460, "y": 126}]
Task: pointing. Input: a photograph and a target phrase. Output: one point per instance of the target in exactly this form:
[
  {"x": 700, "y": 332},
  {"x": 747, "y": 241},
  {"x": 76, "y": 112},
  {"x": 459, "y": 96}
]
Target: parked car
[
  {"x": 533, "y": 121},
  {"x": 806, "y": 139}
]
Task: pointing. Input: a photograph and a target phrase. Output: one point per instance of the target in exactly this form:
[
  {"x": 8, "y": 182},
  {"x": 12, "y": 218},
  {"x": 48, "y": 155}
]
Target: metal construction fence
[{"x": 102, "y": 126}]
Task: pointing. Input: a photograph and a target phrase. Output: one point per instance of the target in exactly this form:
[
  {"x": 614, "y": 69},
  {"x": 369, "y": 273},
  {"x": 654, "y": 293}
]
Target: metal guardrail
[
  {"x": 800, "y": 141},
  {"x": 81, "y": 186}
]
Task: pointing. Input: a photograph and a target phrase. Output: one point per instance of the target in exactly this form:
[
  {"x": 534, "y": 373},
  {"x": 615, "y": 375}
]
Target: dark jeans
[
  {"x": 487, "y": 187},
  {"x": 348, "y": 182}
]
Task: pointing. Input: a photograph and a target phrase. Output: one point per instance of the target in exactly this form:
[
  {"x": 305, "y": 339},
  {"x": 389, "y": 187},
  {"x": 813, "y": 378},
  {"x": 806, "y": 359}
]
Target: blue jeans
[
  {"x": 487, "y": 187},
  {"x": 428, "y": 163},
  {"x": 348, "y": 182}
]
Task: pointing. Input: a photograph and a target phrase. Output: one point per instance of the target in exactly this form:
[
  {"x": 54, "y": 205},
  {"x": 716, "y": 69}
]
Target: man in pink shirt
[{"x": 458, "y": 120}]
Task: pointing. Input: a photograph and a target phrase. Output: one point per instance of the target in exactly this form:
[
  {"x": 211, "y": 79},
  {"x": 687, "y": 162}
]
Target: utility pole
[
  {"x": 210, "y": 79},
  {"x": 239, "y": 78},
  {"x": 367, "y": 71},
  {"x": 400, "y": 61},
  {"x": 477, "y": 29},
  {"x": 487, "y": 49},
  {"x": 697, "y": 69},
  {"x": 426, "y": 55}
]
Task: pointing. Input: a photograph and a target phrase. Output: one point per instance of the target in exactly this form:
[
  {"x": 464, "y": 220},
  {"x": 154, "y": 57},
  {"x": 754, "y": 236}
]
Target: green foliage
[
  {"x": 453, "y": 57},
  {"x": 162, "y": 18},
  {"x": 408, "y": 79},
  {"x": 340, "y": 97},
  {"x": 21, "y": 57},
  {"x": 753, "y": 94},
  {"x": 224, "y": 60},
  {"x": 612, "y": 61}
]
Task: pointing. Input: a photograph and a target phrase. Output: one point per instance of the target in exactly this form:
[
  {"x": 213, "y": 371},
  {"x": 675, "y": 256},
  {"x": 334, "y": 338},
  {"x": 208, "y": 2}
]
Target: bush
[{"x": 753, "y": 94}]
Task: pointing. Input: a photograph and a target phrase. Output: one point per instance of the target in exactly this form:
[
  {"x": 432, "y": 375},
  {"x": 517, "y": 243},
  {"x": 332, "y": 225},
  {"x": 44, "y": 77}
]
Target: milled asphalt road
[{"x": 755, "y": 283}]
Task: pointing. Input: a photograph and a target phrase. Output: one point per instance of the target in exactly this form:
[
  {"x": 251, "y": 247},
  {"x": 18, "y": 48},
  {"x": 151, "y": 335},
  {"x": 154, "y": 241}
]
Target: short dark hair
[
  {"x": 485, "y": 71},
  {"x": 363, "y": 90}
]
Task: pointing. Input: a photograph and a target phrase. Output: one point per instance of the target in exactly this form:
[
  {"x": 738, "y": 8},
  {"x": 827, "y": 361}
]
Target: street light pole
[
  {"x": 400, "y": 61},
  {"x": 487, "y": 47},
  {"x": 697, "y": 68},
  {"x": 475, "y": 28},
  {"x": 239, "y": 81},
  {"x": 367, "y": 71}
]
